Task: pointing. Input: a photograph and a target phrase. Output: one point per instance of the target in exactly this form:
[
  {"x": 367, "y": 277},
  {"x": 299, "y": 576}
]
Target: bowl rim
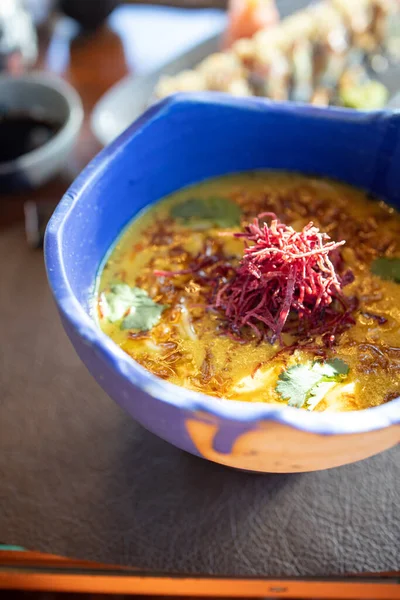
[
  {"x": 69, "y": 128},
  {"x": 353, "y": 422}
]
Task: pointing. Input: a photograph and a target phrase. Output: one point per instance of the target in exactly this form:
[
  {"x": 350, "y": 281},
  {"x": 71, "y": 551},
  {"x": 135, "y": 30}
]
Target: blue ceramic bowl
[{"x": 180, "y": 141}]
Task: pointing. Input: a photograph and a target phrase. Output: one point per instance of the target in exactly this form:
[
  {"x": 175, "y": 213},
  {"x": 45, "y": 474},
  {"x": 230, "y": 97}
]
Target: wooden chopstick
[{"x": 34, "y": 571}]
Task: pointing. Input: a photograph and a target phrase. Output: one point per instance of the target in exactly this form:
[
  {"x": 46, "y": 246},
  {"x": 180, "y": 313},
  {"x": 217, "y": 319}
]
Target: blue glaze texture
[{"x": 180, "y": 141}]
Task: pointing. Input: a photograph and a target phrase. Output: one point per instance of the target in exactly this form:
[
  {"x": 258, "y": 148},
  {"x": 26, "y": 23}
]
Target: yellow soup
[{"x": 156, "y": 294}]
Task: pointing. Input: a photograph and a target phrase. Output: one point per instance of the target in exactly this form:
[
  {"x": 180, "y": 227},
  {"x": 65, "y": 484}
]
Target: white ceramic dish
[{"x": 129, "y": 98}]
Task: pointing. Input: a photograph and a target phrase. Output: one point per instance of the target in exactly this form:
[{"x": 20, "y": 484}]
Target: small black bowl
[{"x": 56, "y": 105}]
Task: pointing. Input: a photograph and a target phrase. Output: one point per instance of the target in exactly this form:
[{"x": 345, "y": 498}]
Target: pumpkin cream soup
[{"x": 262, "y": 287}]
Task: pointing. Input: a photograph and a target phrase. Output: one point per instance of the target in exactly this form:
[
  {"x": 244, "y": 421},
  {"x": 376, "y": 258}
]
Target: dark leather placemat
[{"x": 79, "y": 478}]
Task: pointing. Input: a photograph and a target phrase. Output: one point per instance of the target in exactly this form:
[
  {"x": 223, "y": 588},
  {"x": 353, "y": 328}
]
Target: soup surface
[{"x": 296, "y": 318}]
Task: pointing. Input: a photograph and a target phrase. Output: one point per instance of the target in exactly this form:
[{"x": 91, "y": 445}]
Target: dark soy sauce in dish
[{"x": 21, "y": 133}]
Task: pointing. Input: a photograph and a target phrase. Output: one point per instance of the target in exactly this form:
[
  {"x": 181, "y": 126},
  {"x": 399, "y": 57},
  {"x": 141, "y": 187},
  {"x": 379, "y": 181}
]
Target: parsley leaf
[
  {"x": 304, "y": 384},
  {"x": 133, "y": 305},
  {"x": 221, "y": 212},
  {"x": 387, "y": 268}
]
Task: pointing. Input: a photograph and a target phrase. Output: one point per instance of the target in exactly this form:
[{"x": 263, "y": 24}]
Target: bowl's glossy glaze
[{"x": 178, "y": 142}]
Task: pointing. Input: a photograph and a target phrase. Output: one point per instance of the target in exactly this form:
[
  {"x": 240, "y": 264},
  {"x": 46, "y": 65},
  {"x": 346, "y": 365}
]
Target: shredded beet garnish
[
  {"x": 287, "y": 281},
  {"x": 284, "y": 272}
]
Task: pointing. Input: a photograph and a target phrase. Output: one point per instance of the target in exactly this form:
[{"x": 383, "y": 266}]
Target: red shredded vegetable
[
  {"x": 283, "y": 271},
  {"x": 286, "y": 281}
]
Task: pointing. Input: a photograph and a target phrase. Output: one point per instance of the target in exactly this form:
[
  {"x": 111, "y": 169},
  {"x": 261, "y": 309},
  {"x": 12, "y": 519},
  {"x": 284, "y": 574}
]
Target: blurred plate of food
[
  {"x": 327, "y": 53},
  {"x": 125, "y": 101}
]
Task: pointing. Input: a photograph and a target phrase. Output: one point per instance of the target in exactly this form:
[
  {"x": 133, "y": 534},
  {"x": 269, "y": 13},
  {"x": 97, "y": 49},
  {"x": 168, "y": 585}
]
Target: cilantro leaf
[
  {"x": 133, "y": 305},
  {"x": 221, "y": 212},
  {"x": 295, "y": 384},
  {"x": 387, "y": 268},
  {"x": 119, "y": 299},
  {"x": 331, "y": 368},
  {"x": 143, "y": 317},
  {"x": 318, "y": 392},
  {"x": 302, "y": 384}
]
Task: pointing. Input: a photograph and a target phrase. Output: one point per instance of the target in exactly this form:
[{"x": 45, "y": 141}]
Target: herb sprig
[
  {"x": 132, "y": 306},
  {"x": 387, "y": 268},
  {"x": 214, "y": 210},
  {"x": 308, "y": 383}
]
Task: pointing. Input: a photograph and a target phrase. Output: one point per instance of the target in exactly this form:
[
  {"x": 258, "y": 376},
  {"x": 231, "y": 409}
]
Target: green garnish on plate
[{"x": 371, "y": 95}]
